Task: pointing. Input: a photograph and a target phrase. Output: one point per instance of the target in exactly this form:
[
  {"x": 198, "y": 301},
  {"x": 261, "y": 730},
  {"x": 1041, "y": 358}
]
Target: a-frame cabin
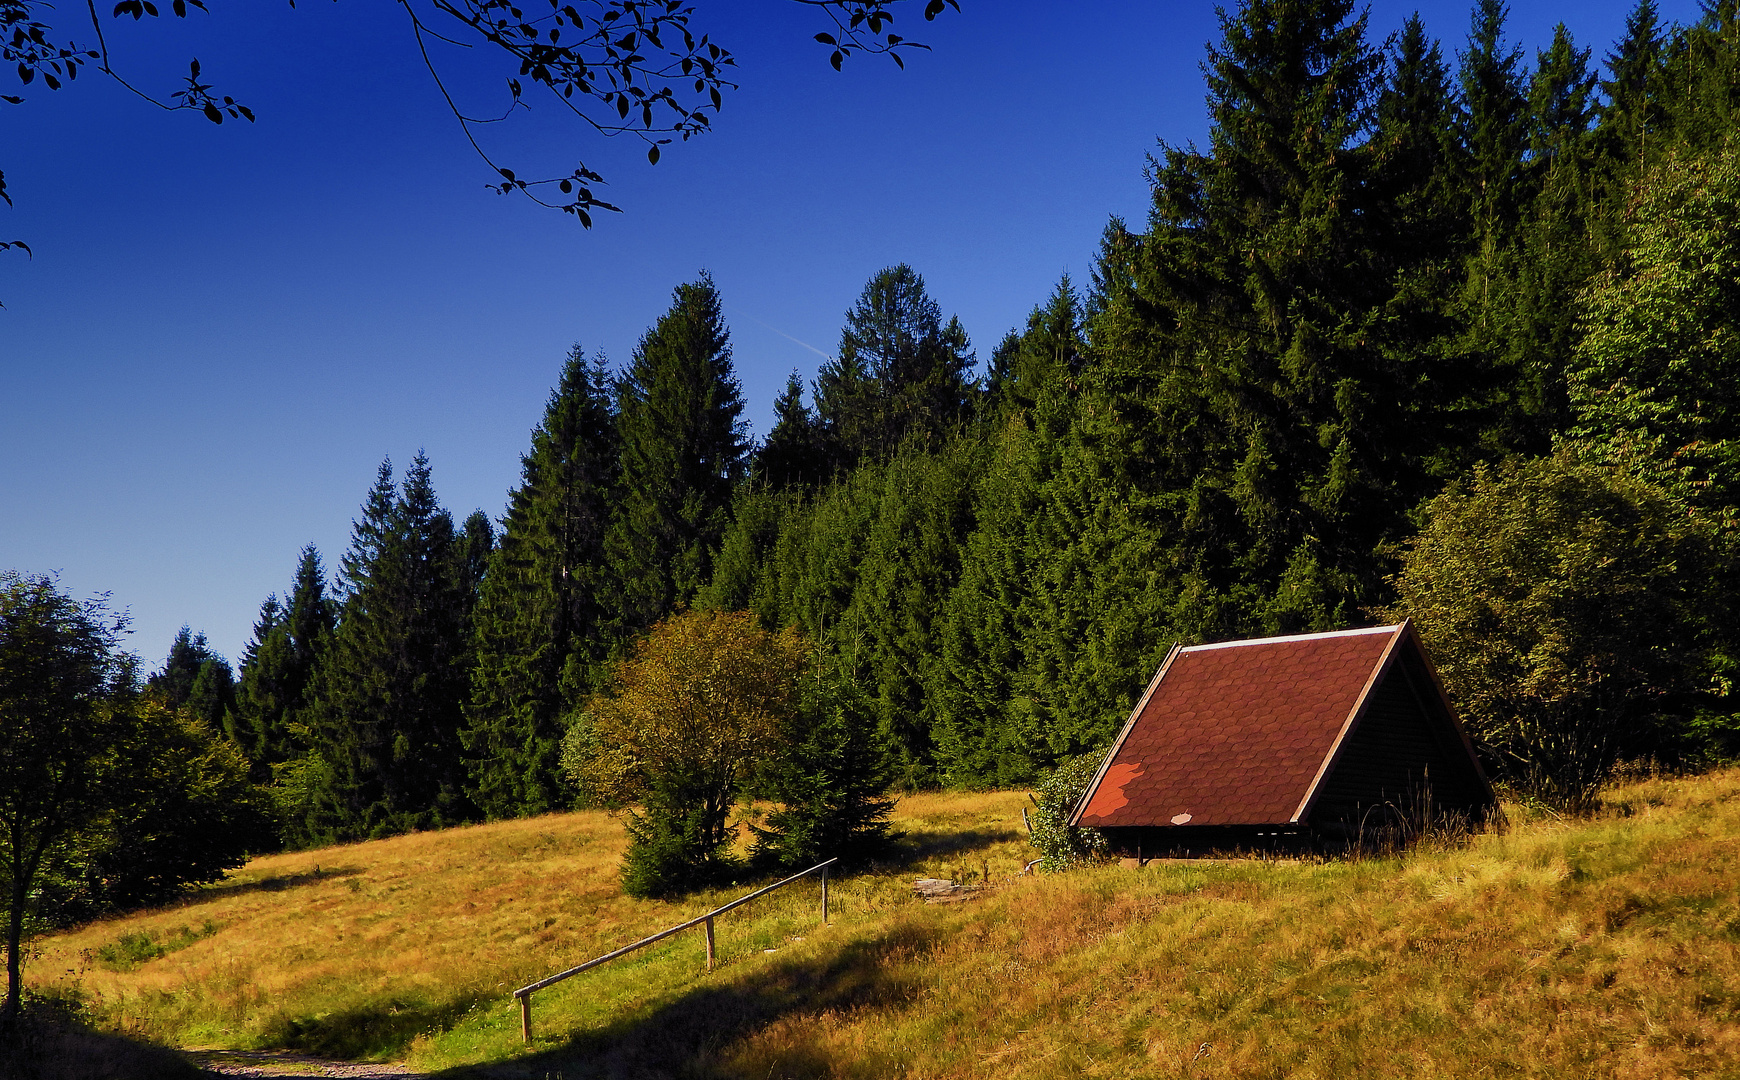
[{"x": 1284, "y": 742}]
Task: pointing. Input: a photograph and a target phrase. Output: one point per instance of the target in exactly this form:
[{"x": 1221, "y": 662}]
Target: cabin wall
[{"x": 1399, "y": 760}]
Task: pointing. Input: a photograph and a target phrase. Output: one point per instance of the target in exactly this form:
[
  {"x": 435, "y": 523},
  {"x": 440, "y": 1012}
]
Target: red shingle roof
[{"x": 1236, "y": 733}]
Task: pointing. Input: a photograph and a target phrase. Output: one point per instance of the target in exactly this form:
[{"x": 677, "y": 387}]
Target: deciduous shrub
[
  {"x": 702, "y": 704},
  {"x": 1060, "y": 846},
  {"x": 1568, "y": 606}
]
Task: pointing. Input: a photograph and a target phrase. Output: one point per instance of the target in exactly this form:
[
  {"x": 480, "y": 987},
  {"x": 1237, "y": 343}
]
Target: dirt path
[{"x": 283, "y": 1063}]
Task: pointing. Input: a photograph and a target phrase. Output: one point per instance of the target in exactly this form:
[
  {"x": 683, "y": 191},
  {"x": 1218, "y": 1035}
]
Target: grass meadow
[{"x": 1601, "y": 948}]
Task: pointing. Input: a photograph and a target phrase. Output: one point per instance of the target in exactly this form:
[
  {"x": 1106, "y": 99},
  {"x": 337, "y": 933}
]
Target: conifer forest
[{"x": 1426, "y": 329}]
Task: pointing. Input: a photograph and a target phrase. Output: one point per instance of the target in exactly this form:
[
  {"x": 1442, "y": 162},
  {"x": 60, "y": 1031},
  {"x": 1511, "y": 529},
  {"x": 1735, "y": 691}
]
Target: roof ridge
[{"x": 1390, "y": 629}]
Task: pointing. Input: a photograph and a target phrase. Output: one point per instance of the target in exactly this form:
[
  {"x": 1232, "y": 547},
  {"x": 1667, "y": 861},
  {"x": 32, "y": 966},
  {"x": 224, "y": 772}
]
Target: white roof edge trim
[{"x": 1294, "y": 637}]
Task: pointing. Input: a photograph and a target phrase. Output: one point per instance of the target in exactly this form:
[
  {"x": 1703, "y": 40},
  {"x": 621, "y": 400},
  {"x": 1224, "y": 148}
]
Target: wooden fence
[{"x": 525, "y": 993}]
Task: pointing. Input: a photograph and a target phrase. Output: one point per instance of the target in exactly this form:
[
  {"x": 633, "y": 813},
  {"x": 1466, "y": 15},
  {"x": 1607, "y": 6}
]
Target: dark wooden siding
[{"x": 1397, "y": 752}]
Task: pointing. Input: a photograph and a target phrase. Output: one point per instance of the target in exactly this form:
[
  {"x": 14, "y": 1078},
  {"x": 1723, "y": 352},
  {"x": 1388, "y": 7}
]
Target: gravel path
[{"x": 282, "y": 1063}]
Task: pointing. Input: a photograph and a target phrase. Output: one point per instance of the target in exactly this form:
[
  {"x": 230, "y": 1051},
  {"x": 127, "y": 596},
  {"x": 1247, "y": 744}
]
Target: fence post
[
  {"x": 526, "y": 1018},
  {"x": 824, "y": 896},
  {"x": 709, "y": 943}
]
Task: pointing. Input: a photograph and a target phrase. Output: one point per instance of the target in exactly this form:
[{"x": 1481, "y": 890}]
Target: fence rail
[{"x": 524, "y": 993}]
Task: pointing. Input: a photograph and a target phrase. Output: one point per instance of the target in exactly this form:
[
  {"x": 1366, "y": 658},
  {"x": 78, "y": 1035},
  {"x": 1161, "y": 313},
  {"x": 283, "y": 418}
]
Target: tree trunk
[{"x": 14, "y": 939}]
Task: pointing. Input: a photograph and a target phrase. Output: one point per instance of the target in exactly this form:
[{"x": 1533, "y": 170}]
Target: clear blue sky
[{"x": 225, "y": 329}]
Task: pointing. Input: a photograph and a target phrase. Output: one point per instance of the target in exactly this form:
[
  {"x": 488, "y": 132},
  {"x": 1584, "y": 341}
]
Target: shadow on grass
[
  {"x": 912, "y": 847},
  {"x": 277, "y": 883},
  {"x": 383, "y": 1030},
  {"x": 50, "y": 1041},
  {"x": 695, "y": 1035}
]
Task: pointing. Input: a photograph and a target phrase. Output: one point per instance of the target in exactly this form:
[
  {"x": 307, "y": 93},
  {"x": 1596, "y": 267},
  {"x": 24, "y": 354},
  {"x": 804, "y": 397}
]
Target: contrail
[{"x": 788, "y": 337}]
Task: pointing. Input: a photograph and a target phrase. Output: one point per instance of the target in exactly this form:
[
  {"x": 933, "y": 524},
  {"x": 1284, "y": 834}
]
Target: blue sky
[{"x": 225, "y": 329}]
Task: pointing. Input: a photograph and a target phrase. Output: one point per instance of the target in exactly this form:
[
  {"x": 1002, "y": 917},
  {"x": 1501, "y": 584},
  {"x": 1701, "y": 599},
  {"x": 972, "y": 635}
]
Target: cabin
[{"x": 1294, "y": 743}]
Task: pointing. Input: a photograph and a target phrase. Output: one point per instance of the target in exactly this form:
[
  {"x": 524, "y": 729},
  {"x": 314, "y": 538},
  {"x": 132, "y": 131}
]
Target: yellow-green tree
[{"x": 701, "y": 704}]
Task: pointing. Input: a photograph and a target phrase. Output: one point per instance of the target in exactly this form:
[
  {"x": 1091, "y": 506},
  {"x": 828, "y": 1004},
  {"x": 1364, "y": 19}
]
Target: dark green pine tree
[
  {"x": 1240, "y": 378},
  {"x": 911, "y": 561},
  {"x": 901, "y": 372},
  {"x": 1421, "y": 241},
  {"x": 1418, "y": 163},
  {"x": 256, "y": 697},
  {"x": 1556, "y": 246},
  {"x": 683, "y": 451},
  {"x": 312, "y": 615},
  {"x": 1700, "y": 91},
  {"x": 1048, "y": 355},
  {"x": 987, "y": 726},
  {"x": 390, "y": 692},
  {"x": 1631, "y": 115},
  {"x": 981, "y": 731},
  {"x": 793, "y": 455},
  {"x": 543, "y": 604},
  {"x": 1495, "y": 126},
  {"x": 476, "y": 544},
  {"x": 849, "y": 411},
  {"x": 173, "y": 683},
  {"x": 195, "y": 678},
  {"x": 269, "y": 720},
  {"x": 830, "y": 782},
  {"x": 213, "y": 693},
  {"x": 746, "y": 571}
]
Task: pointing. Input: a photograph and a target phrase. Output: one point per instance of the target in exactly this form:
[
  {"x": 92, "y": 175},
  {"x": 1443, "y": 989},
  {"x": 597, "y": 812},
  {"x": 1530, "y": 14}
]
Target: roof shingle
[{"x": 1235, "y": 733}]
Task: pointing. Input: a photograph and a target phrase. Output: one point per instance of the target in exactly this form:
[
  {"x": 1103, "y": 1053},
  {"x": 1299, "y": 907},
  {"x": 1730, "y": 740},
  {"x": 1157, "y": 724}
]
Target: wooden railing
[{"x": 525, "y": 993}]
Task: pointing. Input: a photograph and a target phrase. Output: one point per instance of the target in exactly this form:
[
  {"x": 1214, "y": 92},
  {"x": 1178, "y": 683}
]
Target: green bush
[
  {"x": 1569, "y": 607},
  {"x": 1061, "y": 847}
]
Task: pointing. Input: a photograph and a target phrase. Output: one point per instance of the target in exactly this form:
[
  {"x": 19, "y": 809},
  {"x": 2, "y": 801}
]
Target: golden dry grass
[{"x": 1604, "y": 948}]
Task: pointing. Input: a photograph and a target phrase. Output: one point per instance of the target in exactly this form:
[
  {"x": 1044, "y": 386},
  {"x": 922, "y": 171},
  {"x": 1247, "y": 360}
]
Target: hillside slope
[{"x": 1608, "y": 948}]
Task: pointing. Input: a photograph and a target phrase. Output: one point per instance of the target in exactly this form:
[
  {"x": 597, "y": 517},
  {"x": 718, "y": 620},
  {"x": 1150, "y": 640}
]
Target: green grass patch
[{"x": 141, "y": 947}]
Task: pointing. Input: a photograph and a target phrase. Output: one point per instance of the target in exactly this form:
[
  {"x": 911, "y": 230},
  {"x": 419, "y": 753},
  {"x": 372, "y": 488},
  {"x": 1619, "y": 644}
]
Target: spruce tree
[
  {"x": 987, "y": 727},
  {"x": 1631, "y": 113},
  {"x": 911, "y": 561},
  {"x": 830, "y": 779},
  {"x": 1700, "y": 91},
  {"x": 683, "y": 449},
  {"x": 745, "y": 574},
  {"x": 188, "y": 653},
  {"x": 387, "y": 712},
  {"x": 270, "y": 717},
  {"x": 476, "y": 543},
  {"x": 901, "y": 372},
  {"x": 1241, "y": 377},
  {"x": 543, "y": 604},
  {"x": 793, "y": 455},
  {"x": 257, "y": 724},
  {"x": 1557, "y": 253},
  {"x": 1048, "y": 354},
  {"x": 1494, "y": 130},
  {"x": 312, "y": 615},
  {"x": 1418, "y": 159},
  {"x": 213, "y": 694},
  {"x": 195, "y": 678},
  {"x": 1422, "y": 240},
  {"x": 979, "y": 732}
]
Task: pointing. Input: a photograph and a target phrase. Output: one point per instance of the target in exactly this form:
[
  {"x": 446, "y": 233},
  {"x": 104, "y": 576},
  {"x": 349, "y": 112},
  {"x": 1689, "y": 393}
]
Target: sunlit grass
[{"x": 1605, "y": 948}]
